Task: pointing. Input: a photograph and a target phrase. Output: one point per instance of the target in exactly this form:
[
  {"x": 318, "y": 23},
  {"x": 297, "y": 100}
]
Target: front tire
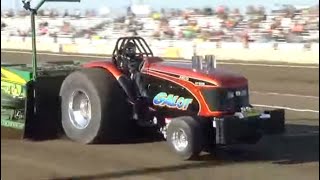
[
  {"x": 185, "y": 137},
  {"x": 94, "y": 107}
]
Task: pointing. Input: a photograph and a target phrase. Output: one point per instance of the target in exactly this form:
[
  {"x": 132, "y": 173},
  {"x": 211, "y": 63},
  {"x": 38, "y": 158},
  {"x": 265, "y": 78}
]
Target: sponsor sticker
[{"x": 163, "y": 99}]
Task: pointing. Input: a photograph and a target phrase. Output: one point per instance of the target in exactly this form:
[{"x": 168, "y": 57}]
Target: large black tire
[
  {"x": 194, "y": 135},
  {"x": 110, "y": 112}
]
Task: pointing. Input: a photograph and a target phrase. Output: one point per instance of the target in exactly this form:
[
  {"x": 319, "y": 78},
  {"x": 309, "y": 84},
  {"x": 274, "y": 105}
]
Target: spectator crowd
[{"x": 286, "y": 24}]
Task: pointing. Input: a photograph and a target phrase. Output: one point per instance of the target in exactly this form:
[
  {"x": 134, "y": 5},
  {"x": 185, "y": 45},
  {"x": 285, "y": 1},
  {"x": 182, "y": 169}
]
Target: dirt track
[{"x": 294, "y": 155}]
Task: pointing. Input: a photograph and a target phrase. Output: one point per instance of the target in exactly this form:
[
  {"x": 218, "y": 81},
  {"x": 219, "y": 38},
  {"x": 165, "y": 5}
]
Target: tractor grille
[{"x": 223, "y": 99}]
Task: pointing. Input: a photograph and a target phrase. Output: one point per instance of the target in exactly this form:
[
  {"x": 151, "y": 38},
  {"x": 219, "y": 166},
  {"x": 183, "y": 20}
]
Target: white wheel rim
[
  {"x": 79, "y": 109},
  {"x": 179, "y": 140}
]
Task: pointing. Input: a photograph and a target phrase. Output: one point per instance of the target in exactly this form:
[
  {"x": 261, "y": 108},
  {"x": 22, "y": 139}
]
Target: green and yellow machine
[
  {"x": 13, "y": 96},
  {"x": 26, "y": 89}
]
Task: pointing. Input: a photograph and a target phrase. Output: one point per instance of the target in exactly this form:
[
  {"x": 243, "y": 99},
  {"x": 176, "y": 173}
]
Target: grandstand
[{"x": 286, "y": 24}]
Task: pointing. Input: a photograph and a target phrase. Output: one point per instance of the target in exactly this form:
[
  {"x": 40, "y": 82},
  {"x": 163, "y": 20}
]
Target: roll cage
[{"x": 140, "y": 43}]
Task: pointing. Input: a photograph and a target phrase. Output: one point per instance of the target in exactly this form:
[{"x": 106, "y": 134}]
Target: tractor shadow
[
  {"x": 299, "y": 145},
  {"x": 138, "y": 135}
]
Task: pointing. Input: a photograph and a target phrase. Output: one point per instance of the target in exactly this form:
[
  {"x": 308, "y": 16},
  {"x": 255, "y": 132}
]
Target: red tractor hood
[{"x": 217, "y": 77}]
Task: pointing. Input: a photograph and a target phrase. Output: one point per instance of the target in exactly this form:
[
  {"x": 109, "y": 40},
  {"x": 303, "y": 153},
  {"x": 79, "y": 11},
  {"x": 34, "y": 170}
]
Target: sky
[{"x": 121, "y": 4}]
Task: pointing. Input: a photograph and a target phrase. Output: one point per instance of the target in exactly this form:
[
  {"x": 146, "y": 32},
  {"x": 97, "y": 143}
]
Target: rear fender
[
  {"x": 107, "y": 65},
  {"x": 123, "y": 80}
]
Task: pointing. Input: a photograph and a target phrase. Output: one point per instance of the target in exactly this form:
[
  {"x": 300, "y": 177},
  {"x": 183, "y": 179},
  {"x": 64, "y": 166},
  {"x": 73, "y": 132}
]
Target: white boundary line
[
  {"x": 286, "y": 108},
  {"x": 183, "y": 61},
  {"x": 55, "y": 54},
  {"x": 273, "y": 65},
  {"x": 284, "y": 94}
]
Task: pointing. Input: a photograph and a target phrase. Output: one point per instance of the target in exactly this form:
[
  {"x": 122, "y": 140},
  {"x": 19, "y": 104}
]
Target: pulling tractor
[{"x": 192, "y": 105}]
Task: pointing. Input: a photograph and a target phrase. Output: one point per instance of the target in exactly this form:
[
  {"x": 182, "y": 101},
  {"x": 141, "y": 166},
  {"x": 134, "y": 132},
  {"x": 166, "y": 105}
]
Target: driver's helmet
[{"x": 130, "y": 49}]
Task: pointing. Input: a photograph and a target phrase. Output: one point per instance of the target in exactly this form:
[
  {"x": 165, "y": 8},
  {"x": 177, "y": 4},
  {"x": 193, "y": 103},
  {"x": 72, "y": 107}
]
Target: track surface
[{"x": 294, "y": 155}]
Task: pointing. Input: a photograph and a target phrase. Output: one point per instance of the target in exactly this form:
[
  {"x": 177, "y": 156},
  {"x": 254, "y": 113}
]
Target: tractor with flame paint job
[{"x": 193, "y": 105}]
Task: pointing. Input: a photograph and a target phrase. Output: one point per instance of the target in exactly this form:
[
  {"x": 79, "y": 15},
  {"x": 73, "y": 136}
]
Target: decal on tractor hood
[{"x": 172, "y": 101}]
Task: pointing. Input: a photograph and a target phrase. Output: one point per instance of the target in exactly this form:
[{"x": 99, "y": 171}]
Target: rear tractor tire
[{"x": 94, "y": 107}]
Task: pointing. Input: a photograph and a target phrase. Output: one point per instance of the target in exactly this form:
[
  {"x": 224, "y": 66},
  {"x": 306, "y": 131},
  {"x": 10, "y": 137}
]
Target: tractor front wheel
[{"x": 185, "y": 137}]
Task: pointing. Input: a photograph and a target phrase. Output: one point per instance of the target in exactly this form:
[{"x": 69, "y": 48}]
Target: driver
[{"x": 133, "y": 64}]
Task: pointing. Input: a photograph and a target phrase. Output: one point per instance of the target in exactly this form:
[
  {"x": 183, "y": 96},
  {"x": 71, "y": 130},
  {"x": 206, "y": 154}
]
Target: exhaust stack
[
  {"x": 197, "y": 63},
  {"x": 208, "y": 63},
  {"x": 211, "y": 62}
]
